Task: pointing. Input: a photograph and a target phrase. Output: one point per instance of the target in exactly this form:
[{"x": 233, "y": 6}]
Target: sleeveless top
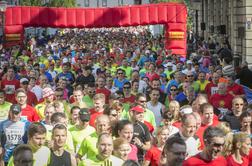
[{"x": 63, "y": 160}]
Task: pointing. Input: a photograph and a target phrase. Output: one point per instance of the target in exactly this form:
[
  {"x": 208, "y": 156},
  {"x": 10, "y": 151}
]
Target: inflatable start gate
[{"x": 172, "y": 15}]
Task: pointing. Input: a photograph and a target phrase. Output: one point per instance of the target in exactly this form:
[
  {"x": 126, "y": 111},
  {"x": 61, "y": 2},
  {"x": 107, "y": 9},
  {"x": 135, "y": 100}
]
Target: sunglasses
[
  {"x": 114, "y": 115},
  {"x": 120, "y": 73},
  {"x": 173, "y": 89},
  {"x": 126, "y": 87},
  {"x": 217, "y": 144},
  {"x": 190, "y": 76},
  {"x": 142, "y": 101}
]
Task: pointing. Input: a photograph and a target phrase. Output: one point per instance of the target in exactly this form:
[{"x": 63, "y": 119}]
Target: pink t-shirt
[{"x": 133, "y": 153}]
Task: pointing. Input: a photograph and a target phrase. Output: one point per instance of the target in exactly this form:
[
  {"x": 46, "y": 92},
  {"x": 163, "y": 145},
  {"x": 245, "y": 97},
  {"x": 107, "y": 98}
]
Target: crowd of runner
[{"x": 110, "y": 97}]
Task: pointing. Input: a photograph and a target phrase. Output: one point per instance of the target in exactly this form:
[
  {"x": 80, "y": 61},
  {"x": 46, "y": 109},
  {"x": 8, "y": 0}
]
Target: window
[
  {"x": 137, "y": 2},
  {"x": 120, "y": 2},
  {"x": 86, "y": 3},
  {"x": 104, "y": 3}
]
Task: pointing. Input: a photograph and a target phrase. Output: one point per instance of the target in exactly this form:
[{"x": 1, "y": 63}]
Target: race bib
[
  {"x": 14, "y": 136},
  {"x": 214, "y": 90},
  {"x": 9, "y": 89}
]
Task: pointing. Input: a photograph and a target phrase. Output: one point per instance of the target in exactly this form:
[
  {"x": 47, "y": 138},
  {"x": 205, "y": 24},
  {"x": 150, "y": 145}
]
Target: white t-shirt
[{"x": 157, "y": 111}]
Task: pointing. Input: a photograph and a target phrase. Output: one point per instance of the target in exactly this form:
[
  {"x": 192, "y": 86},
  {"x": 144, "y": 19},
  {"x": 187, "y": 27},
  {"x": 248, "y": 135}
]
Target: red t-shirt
[
  {"x": 232, "y": 162},
  {"x": 10, "y": 86},
  {"x": 150, "y": 126},
  {"x": 153, "y": 155},
  {"x": 30, "y": 113},
  {"x": 130, "y": 99},
  {"x": 221, "y": 101},
  {"x": 201, "y": 130},
  {"x": 235, "y": 89},
  {"x": 31, "y": 98},
  {"x": 198, "y": 161},
  {"x": 93, "y": 116},
  {"x": 133, "y": 153},
  {"x": 211, "y": 89},
  {"x": 104, "y": 91},
  {"x": 250, "y": 157},
  {"x": 177, "y": 124}
]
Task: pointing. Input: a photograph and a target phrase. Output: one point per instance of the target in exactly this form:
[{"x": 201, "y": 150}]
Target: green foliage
[
  {"x": 31, "y": 2},
  {"x": 158, "y": 1},
  {"x": 62, "y": 3},
  {"x": 51, "y": 3}
]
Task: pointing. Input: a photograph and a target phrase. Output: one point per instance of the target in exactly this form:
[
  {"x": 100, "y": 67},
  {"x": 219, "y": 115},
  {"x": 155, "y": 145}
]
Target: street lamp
[{"x": 3, "y": 6}]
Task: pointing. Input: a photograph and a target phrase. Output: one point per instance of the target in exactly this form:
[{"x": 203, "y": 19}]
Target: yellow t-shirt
[
  {"x": 5, "y": 107},
  {"x": 41, "y": 157},
  {"x": 93, "y": 161},
  {"x": 79, "y": 135},
  {"x": 88, "y": 146}
]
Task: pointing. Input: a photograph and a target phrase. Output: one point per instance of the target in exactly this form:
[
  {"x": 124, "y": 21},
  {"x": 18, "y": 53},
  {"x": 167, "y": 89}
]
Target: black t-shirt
[
  {"x": 85, "y": 80},
  {"x": 233, "y": 121},
  {"x": 141, "y": 131}
]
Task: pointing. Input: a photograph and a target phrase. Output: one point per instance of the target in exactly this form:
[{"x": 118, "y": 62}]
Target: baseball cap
[
  {"x": 169, "y": 64},
  {"x": 137, "y": 109},
  {"x": 24, "y": 80},
  {"x": 84, "y": 114},
  {"x": 187, "y": 110},
  {"x": 189, "y": 62},
  {"x": 42, "y": 66},
  {"x": 47, "y": 92},
  {"x": 15, "y": 108}
]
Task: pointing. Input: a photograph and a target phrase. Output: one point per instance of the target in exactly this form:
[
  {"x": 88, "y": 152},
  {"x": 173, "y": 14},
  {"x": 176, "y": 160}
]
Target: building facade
[{"x": 226, "y": 18}]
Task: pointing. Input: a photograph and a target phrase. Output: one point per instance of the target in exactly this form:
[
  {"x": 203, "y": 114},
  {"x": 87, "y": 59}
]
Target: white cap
[
  {"x": 23, "y": 80},
  {"x": 65, "y": 60},
  {"x": 187, "y": 110}
]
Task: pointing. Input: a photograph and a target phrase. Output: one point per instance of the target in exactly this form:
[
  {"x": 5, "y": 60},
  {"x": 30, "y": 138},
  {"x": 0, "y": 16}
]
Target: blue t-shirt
[
  {"x": 119, "y": 84},
  {"x": 12, "y": 134}
]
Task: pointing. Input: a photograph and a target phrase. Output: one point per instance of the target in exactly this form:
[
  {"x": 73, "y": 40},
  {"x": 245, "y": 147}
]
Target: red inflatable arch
[{"x": 172, "y": 15}]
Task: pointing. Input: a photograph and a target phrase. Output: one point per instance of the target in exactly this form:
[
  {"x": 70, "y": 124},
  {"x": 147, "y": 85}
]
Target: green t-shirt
[
  {"x": 128, "y": 71},
  {"x": 94, "y": 161},
  {"x": 88, "y": 146},
  {"x": 88, "y": 101},
  {"x": 69, "y": 146},
  {"x": 41, "y": 157},
  {"x": 5, "y": 107},
  {"x": 148, "y": 116},
  {"x": 79, "y": 135}
]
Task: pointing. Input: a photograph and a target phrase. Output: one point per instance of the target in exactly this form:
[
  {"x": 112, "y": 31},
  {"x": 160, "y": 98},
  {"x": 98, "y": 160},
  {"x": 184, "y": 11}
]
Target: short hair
[
  {"x": 118, "y": 142},
  {"x": 99, "y": 96},
  {"x": 20, "y": 149},
  {"x": 74, "y": 108},
  {"x": 2, "y": 92},
  {"x": 60, "y": 127},
  {"x": 131, "y": 163},
  {"x": 244, "y": 115},
  {"x": 36, "y": 128},
  {"x": 20, "y": 90},
  {"x": 154, "y": 89},
  {"x": 185, "y": 118},
  {"x": 140, "y": 95},
  {"x": 127, "y": 83},
  {"x": 104, "y": 135},
  {"x": 56, "y": 117},
  {"x": 204, "y": 106},
  {"x": 212, "y": 132},
  {"x": 170, "y": 142}
]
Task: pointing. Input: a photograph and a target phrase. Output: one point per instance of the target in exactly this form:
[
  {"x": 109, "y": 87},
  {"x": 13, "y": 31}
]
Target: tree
[
  {"x": 62, "y": 3},
  {"x": 158, "y": 1},
  {"x": 31, "y": 2}
]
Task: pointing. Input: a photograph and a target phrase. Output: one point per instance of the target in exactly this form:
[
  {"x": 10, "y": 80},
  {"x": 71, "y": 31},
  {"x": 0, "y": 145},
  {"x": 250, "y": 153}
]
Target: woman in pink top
[{"x": 124, "y": 130}]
